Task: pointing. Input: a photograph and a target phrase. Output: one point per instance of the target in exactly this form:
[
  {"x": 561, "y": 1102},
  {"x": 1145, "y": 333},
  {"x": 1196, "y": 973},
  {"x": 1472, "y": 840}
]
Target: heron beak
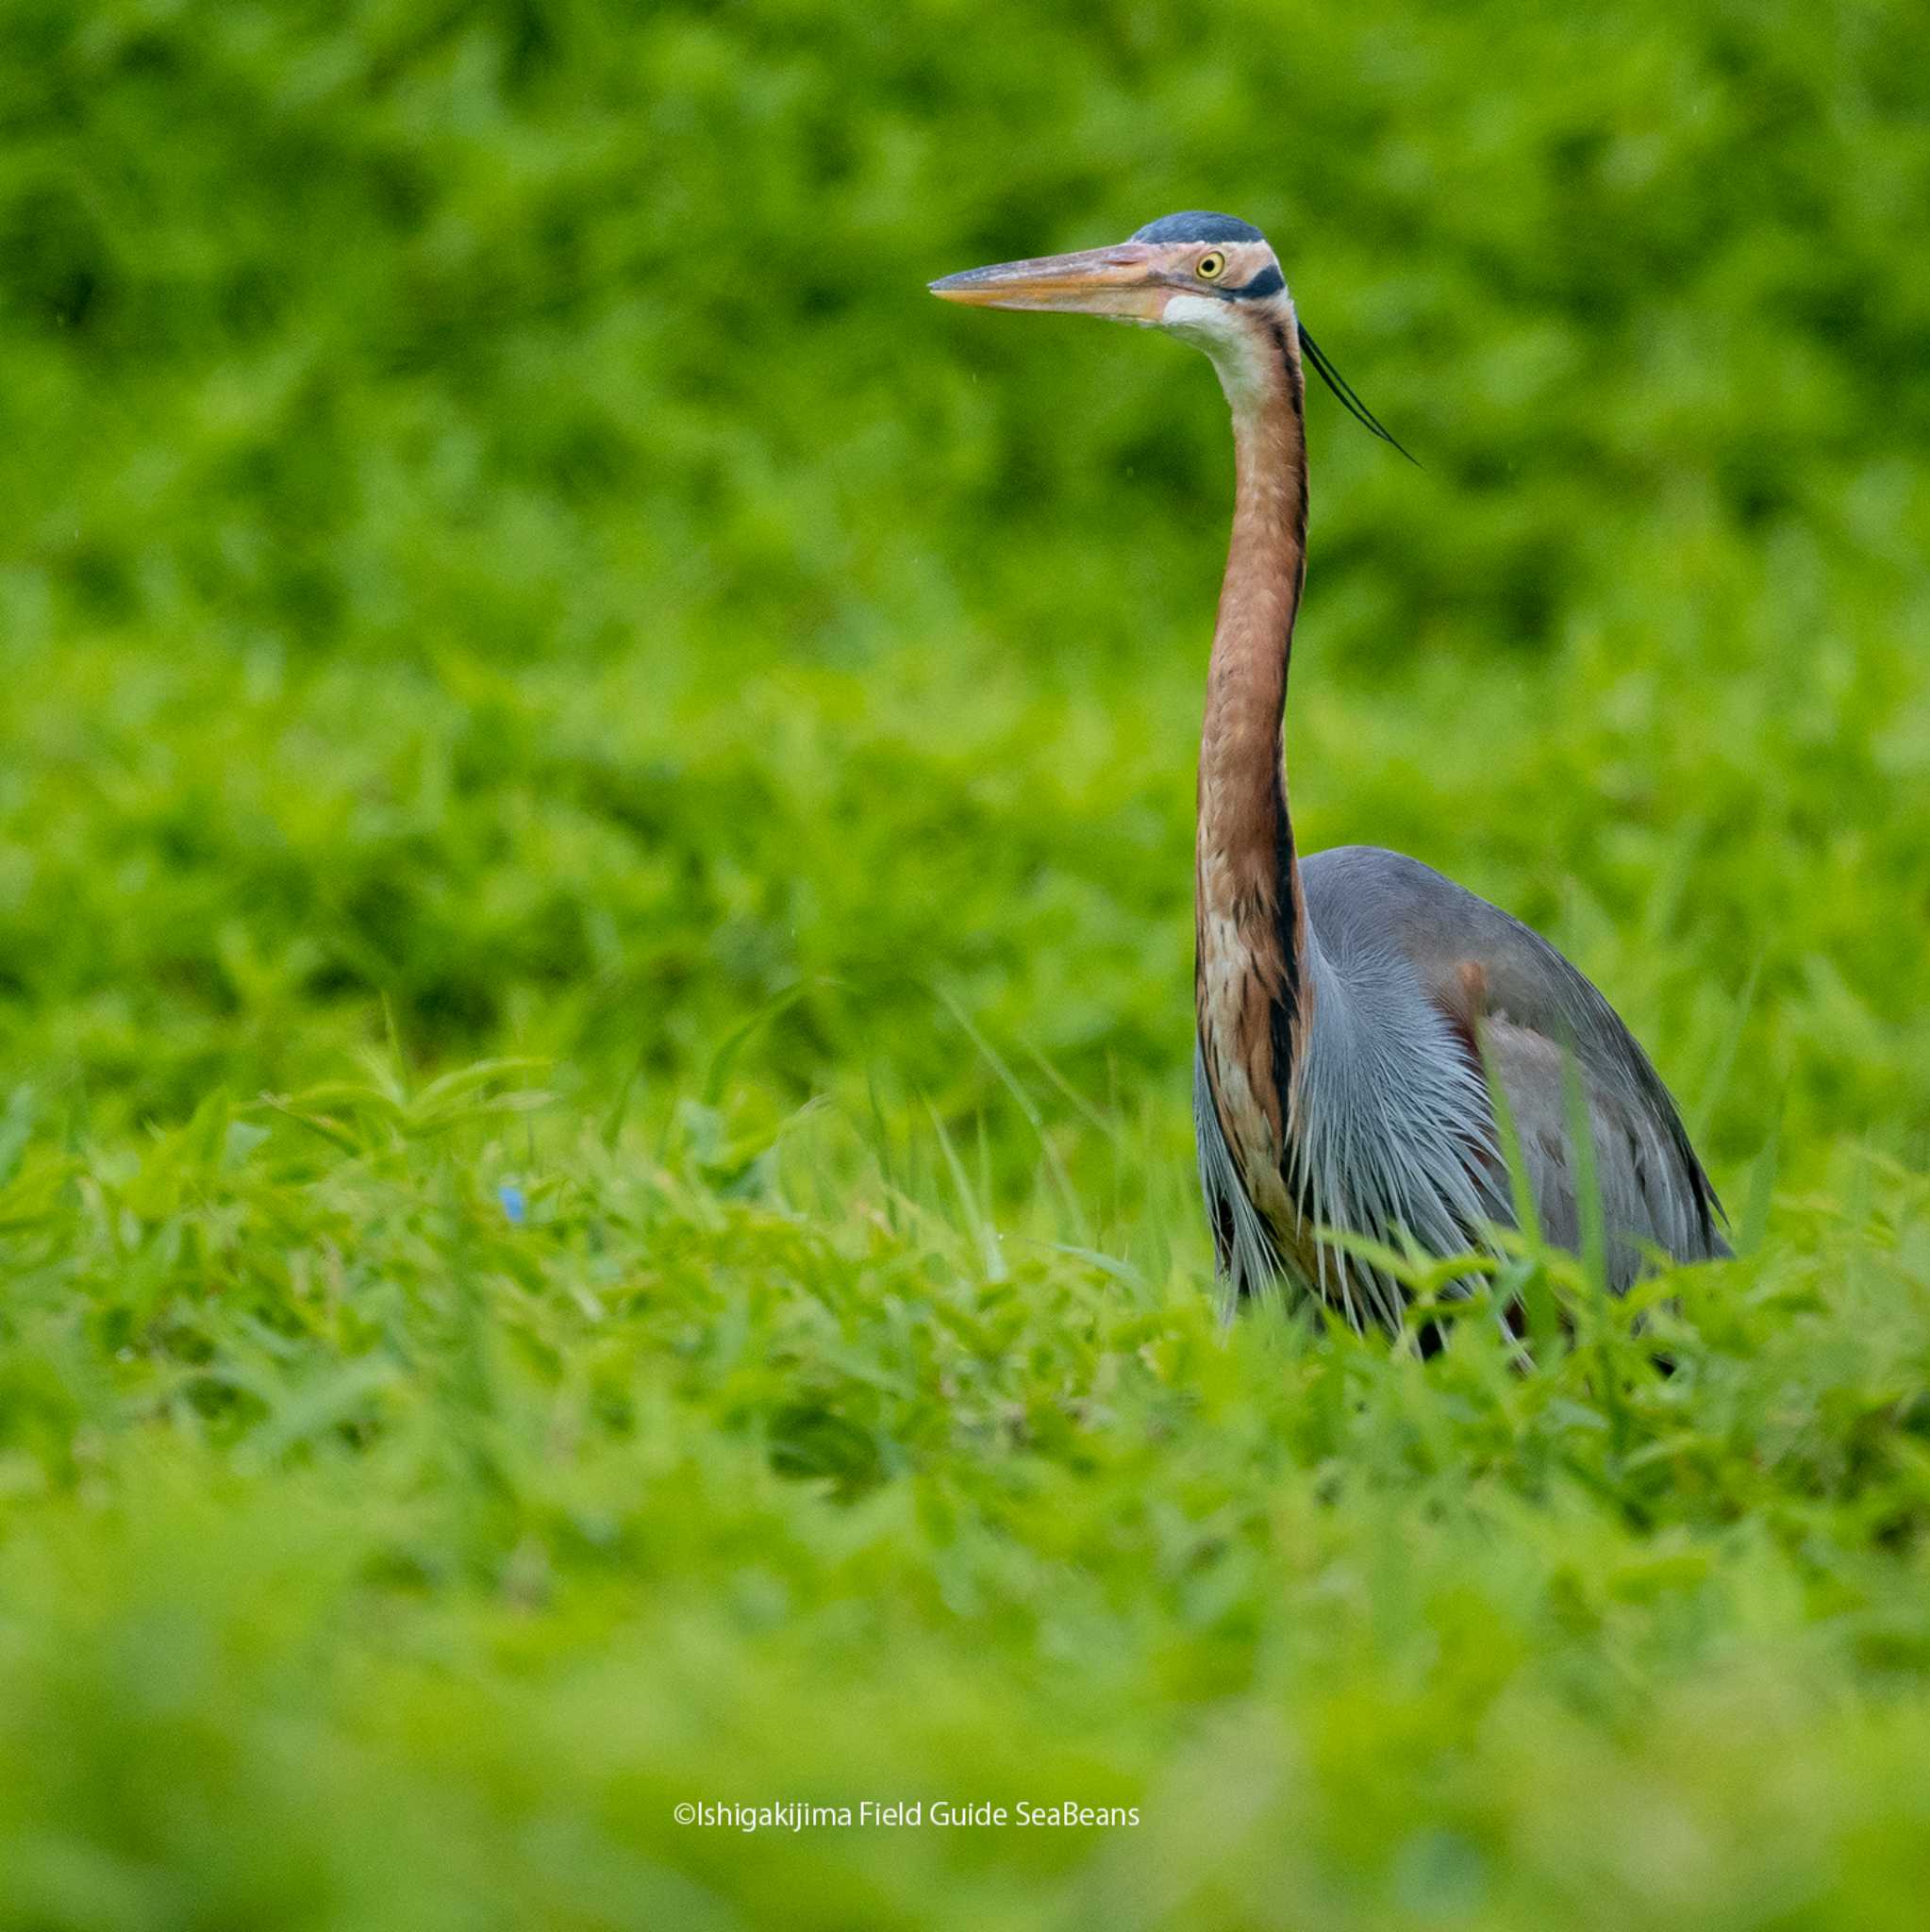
[{"x": 1119, "y": 282}]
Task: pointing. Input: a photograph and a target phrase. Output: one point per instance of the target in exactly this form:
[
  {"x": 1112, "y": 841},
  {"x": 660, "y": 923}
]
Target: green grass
[{"x": 536, "y": 658}]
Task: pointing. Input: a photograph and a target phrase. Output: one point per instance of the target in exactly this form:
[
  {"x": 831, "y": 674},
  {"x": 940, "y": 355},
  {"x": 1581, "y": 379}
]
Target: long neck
[
  {"x": 1251, "y": 984},
  {"x": 1247, "y": 874}
]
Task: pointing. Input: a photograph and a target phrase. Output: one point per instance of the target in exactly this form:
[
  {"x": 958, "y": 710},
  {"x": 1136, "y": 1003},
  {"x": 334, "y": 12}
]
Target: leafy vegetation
[{"x": 595, "y": 1204}]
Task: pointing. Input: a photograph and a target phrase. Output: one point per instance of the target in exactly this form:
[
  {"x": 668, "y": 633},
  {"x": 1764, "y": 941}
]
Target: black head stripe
[
  {"x": 1270, "y": 281},
  {"x": 1197, "y": 225}
]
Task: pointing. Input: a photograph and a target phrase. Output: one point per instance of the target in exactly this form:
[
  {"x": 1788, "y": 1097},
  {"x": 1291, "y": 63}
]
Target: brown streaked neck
[{"x": 1245, "y": 859}]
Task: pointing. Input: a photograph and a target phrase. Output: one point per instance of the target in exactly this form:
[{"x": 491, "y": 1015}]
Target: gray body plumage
[{"x": 1395, "y": 1134}]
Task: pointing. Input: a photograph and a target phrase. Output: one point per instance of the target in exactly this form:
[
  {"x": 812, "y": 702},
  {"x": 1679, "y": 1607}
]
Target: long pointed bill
[{"x": 1115, "y": 281}]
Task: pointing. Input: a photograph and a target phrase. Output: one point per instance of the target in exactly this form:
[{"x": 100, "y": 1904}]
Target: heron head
[
  {"x": 1190, "y": 274},
  {"x": 1212, "y": 279}
]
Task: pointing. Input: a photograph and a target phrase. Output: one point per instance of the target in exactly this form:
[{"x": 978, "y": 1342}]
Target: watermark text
[{"x": 905, "y": 1814}]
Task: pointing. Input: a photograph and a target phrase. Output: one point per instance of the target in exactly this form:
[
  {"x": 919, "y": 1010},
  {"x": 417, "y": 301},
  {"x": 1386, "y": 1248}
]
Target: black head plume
[{"x": 1348, "y": 400}]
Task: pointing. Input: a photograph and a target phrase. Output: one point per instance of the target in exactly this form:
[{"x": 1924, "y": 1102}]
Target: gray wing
[{"x": 1502, "y": 984}]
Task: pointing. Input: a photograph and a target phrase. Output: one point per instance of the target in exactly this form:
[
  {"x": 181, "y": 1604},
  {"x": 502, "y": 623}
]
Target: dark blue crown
[{"x": 1197, "y": 225}]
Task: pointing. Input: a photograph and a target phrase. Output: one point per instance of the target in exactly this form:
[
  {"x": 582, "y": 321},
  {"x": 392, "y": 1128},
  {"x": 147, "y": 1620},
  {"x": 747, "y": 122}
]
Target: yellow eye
[{"x": 1210, "y": 268}]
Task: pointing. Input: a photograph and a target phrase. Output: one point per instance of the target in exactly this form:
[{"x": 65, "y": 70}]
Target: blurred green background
[{"x": 536, "y": 657}]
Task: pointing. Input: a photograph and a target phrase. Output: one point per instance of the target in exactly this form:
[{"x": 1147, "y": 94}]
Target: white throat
[{"x": 1210, "y": 322}]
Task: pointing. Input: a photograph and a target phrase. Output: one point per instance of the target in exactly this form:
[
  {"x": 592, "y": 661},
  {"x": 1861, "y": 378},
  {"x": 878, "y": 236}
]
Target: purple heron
[{"x": 1356, "y": 1012}]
